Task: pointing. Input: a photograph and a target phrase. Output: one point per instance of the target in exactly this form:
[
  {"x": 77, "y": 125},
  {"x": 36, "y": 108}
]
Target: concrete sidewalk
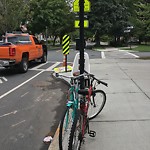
[{"x": 124, "y": 123}]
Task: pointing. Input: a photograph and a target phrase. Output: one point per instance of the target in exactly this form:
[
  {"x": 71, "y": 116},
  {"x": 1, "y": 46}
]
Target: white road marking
[
  {"x": 53, "y": 66},
  {"x": 17, "y": 87},
  {"x": 24, "y": 94},
  {"x": 37, "y": 69},
  {"x": 133, "y": 55},
  {"x": 39, "y": 66},
  {"x": 103, "y": 55},
  {"x": 2, "y": 79},
  {"x": 129, "y": 53},
  {"x": 27, "y": 108},
  {"x": 11, "y": 113},
  {"x": 18, "y": 123}
]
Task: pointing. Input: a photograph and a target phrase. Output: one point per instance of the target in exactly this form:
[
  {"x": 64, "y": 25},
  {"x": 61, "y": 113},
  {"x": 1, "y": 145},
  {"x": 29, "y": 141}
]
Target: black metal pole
[{"x": 81, "y": 61}]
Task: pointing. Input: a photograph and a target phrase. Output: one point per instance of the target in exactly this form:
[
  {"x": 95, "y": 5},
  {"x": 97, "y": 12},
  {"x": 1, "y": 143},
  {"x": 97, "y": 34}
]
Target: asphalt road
[{"x": 30, "y": 107}]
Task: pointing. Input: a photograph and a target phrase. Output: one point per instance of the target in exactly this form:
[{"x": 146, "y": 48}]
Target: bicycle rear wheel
[
  {"x": 65, "y": 128},
  {"x": 75, "y": 138},
  {"x": 98, "y": 100}
]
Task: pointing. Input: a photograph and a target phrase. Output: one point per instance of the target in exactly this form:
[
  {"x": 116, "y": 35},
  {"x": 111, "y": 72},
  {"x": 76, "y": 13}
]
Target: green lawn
[{"x": 140, "y": 48}]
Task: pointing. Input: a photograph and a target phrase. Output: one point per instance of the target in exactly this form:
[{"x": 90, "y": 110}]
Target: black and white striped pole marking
[{"x": 66, "y": 47}]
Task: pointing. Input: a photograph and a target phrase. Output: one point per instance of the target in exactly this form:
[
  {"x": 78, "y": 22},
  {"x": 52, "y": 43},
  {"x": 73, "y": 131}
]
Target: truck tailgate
[{"x": 4, "y": 52}]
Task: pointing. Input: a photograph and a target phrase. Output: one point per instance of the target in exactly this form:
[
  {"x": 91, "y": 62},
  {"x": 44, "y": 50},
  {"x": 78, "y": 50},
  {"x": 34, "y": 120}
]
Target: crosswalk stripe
[{"x": 2, "y": 79}]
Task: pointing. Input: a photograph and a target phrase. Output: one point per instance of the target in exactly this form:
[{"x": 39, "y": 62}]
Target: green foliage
[
  {"x": 55, "y": 15},
  {"x": 140, "y": 48},
  {"x": 142, "y": 21},
  {"x": 11, "y": 14},
  {"x": 108, "y": 17},
  {"x": 41, "y": 14}
]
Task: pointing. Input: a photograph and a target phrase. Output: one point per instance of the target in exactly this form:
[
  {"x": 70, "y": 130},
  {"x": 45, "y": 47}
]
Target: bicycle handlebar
[
  {"x": 93, "y": 76},
  {"x": 82, "y": 75},
  {"x": 70, "y": 77}
]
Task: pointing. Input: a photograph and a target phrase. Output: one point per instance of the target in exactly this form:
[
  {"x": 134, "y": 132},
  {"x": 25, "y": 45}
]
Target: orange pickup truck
[{"x": 19, "y": 49}]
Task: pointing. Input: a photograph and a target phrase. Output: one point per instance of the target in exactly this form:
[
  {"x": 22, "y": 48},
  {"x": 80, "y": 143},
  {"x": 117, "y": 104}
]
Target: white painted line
[
  {"x": 53, "y": 66},
  {"x": 4, "y": 79},
  {"x": 37, "y": 69},
  {"x": 103, "y": 55},
  {"x": 58, "y": 50},
  {"x": 39, "y": 66},
  {"x": 133, "y": 55},
  {"x": 24, "y": 94},
  {"x": 1, "y": 81},
  {"x": 17, "y": 87},
  {"x": 18, "y": 123},
  {"x": 13, "y": 112}
]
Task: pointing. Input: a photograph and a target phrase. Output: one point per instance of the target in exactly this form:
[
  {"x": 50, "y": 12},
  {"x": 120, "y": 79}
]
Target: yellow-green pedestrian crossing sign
[
  {"x": 65, "y": 44},
  {"x": 87, "y": 6},
  {"x": 77, "y": 24}
]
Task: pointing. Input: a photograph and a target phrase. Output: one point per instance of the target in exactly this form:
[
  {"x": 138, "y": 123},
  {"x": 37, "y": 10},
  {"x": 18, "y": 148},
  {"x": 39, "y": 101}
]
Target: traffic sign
[
  {"x": 87, "y": 6},
  {"x": 77, "y": 23},
  {"x": 65, "y": 44}
]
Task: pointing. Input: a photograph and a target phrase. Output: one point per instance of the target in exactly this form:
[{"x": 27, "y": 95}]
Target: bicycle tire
[
  {"x": 75, "y": 144},
  {"x": 99, "y": 97},
  {"x": 65, "y": 128}
]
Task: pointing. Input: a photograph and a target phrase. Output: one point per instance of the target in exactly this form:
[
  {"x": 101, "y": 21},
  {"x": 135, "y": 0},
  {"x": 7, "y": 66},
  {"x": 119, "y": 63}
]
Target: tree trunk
[
  {"x": 140, "y": 40},
  {"x": 54, "y": 40},
  {"x": 97, "y": 39},
  {"x": 60, "y": 41}
]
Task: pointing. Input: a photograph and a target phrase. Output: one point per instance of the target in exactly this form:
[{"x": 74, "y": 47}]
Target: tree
[
  {"x": 55, "y": 15},
  {"x": 108, "y": 17},
  {"x": 11, "y": 14},
  {"x": 142, "y": 21}
]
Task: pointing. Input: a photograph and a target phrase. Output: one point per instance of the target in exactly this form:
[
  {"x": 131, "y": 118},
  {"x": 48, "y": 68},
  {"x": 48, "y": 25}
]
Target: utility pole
[{"x": 81, "y": 61}]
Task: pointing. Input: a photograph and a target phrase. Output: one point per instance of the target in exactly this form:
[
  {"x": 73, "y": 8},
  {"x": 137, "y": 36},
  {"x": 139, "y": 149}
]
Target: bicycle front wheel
[
  {"x": 98, "y": 100},
  {"x": 65, "y": 128},
  {"x": 75, "y": 138}
]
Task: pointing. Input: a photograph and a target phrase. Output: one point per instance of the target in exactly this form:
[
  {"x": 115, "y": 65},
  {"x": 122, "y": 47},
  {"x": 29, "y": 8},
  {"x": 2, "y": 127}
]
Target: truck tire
[
  {"x": 44, "y": 57},
  {"x": 23, "y": 67}
]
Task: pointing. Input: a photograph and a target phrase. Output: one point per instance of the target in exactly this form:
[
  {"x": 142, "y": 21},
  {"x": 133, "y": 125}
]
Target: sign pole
[
  {"x": 66, "y": 63},
  {"x": 81, "y": 61}
]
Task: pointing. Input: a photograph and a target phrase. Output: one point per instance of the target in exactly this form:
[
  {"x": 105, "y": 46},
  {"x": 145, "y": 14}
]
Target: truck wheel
[
  {"x": 24, "y": 65},
  {"x": 44, "y": 57}
]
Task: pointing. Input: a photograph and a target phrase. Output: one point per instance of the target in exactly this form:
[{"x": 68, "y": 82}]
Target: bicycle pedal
[{"x": 92, "y": 133}]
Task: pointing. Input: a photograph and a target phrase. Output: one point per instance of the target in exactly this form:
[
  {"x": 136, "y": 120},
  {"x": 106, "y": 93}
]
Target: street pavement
[{"x": 124, "y": 123}]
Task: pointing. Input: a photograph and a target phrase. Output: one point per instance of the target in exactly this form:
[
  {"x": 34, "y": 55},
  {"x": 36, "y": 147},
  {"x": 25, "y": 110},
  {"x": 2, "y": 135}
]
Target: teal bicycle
[
  {"x": 69, "y": 114},
  {"x": 74, "y": 102}
]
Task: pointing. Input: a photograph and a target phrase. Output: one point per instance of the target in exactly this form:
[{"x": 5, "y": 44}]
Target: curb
[
  {"x": 54, "y": 144},
  {"x": 60, "y": 79}
]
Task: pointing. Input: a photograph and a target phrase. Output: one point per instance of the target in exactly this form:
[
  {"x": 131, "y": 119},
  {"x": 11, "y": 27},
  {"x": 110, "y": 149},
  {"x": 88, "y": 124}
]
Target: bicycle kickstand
[{"x": 90, "y": 132}]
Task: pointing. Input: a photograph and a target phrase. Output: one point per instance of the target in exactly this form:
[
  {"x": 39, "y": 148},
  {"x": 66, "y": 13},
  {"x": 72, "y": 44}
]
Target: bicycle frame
[
  {"x": 73, "y": 99},
  {"x": 84, "y": 106}
]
